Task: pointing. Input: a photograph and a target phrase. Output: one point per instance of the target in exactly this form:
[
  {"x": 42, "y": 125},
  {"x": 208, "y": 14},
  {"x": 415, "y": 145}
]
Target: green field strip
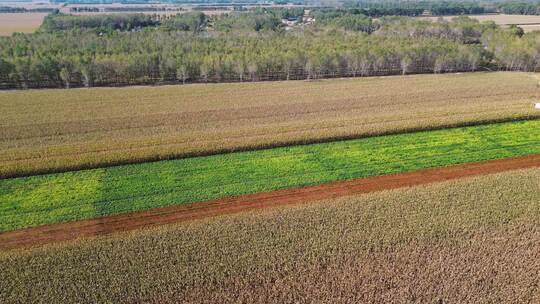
[{"x": 45, "y": 199}]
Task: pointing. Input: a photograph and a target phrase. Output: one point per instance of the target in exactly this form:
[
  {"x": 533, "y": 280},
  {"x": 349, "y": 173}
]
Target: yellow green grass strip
[{"x": 53, "y": 198}]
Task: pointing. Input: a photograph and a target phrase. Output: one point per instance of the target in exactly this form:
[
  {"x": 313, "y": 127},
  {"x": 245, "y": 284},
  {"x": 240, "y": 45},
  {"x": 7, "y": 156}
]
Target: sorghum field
[
  {"x": 474, "y": 240},
  {"x": 44, "y": 131},
  {"x": 45, "y": 199}
]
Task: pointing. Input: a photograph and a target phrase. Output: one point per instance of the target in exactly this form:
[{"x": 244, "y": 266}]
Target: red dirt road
[{"x": 129, "y": 221}]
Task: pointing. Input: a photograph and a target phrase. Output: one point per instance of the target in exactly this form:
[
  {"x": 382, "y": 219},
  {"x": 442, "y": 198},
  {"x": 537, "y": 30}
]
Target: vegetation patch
[
  {"x": 263, "y": 44},
  {"x": 99, "y": 192}
]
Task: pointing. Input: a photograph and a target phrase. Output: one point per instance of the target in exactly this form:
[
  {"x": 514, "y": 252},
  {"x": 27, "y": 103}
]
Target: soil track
[{"x": 129, "y": 221}]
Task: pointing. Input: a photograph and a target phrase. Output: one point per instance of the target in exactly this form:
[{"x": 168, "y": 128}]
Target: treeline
[
  {"x": 61, "y": 22},
  {"x": 395, "y": 45},
  {"x": 462, "y": 29},
  {"x": 145, "y": 58},
  {"x": 520, "y": 8},
  {"x": 442, "y": 8},
  {"x": 142, "y": 9},
  {"x": 247, "y": 22},
  {"x": 257, "y": 20},
  {"x": 80, "y": 9},
  {"x": 194, "y": 22},
  {"x": 416, "y": 8},
  {"x": 346, "y": 21},
  {"x": 10, "y": 9},
  {"x": 124, "y": 9}
]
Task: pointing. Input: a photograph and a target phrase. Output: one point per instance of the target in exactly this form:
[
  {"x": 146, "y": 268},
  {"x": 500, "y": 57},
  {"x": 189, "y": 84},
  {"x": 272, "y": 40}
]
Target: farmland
[
  {"x": 20, "y": 22},
  {"x": 66, "y": 231},
  {"x": 351, "y": 153},
  {"x": 472, "y": 240},
  {"x": 527, "y": 22},
  {"x": 501, "y": 19},
  {"x": 57, "y": 130},
  {"x": 38, "y": 200}
]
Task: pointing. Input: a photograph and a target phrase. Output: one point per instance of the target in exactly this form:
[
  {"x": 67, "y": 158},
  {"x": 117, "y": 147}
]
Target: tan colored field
[
  {"x": 527, "y": 22},
  {"x": 530, "y": 27},
  {"x": 55, "y": 130},
  {"x": 20, "y": 22},
  {"x": 467, "y": 241},
  {"x": 501, "y": 19}
]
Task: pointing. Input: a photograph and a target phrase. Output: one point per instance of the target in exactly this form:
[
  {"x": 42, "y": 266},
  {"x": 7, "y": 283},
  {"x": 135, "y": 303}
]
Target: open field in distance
[
  {"x": 20, "y": 22},
  {"x": 61, "y": 197},
  {"x": 471, "y": 240},
  {"x": 530, "y": 27},
  {"x": 527, "y": 22},
  {"x": 57, "y": 130},
  {"x": 501, "y": 19}
]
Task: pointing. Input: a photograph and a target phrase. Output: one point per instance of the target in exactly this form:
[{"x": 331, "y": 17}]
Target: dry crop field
[
  {"x": 20, "y": 22},
  {"x": 527, "y": 22},
  {"x": 45, "y": 131},
  {"x": 530, "y": 27},
  {"x": 501, "y": 19},
  {"x": 474, "y": 240}
]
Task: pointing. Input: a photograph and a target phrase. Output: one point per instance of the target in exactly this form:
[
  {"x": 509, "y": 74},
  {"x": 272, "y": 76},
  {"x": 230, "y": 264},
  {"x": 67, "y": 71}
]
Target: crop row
[{"x": 63, "y": 130}]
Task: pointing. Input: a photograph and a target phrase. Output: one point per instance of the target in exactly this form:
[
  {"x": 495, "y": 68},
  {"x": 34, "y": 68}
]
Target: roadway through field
[{"x": 157, "y": 216}]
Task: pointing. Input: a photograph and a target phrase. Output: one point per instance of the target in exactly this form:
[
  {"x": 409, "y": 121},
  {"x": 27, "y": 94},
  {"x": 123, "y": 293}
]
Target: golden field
[
  {"x": 527, "y": 22},
  {"x": 57, "y": 130},
  {"x": 20, "y": 22}
]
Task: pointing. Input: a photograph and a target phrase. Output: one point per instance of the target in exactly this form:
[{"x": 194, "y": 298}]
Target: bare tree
[
  {"x": 204, "y": 71},
  {"x": 406, "y": 63},
  {"x": 252, "y": 69},
  {"x": 65, "y": 75},
  {"x": 182, "y": 73},
  {"x": 239, "y": 68}
]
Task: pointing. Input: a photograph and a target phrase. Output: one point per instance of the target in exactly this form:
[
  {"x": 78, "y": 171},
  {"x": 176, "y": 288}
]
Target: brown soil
[{"x": 129, "y": 221}]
